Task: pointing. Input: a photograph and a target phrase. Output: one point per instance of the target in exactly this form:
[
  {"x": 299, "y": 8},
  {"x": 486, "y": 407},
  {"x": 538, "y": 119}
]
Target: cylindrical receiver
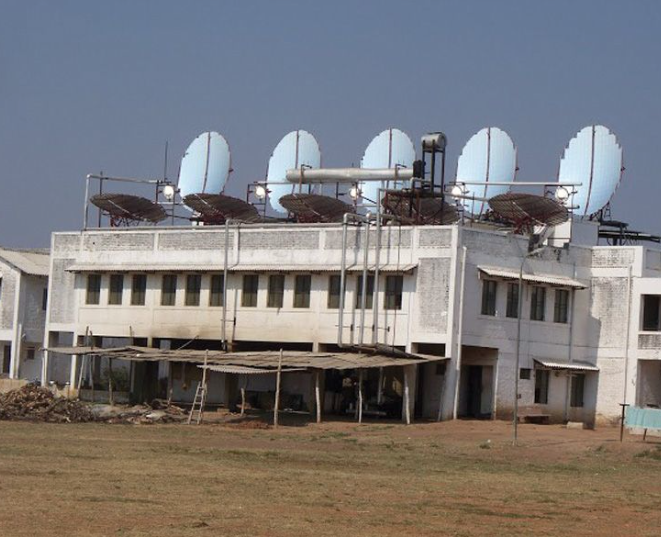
[
  {"x": 434, "y": 141},
  {"x": 347, "y": 175}
]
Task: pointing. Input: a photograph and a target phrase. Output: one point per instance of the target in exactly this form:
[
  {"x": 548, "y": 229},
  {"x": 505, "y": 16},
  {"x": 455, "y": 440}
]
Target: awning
[
  {"x": 258, "y": 359},
  {"x": 548, "y": 279},
  {"x": 239, "y": 370},
  {"x": 242, "y": 267},
  {"x": 568, "y": 366}
]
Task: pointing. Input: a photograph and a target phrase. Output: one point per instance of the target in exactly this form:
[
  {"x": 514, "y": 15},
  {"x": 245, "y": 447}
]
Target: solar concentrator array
[
  {"x": 296, "y": 149},
  {"x": 489, "y": 156},
  {"x": 594, "y": 159},
  {"x": 390, "y": 149},
  {"x": 205, "y": 166}
]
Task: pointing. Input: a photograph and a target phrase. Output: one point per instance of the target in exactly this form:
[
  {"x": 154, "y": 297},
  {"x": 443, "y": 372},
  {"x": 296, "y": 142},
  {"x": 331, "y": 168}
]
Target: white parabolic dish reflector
[
  {"x": 489, "y": 156},
  {"x": 297, "y": 148},
  {"x": 205, "y": 166},
  {"x": 593, "y": 158},
  {"x": 389, "y": 149}
]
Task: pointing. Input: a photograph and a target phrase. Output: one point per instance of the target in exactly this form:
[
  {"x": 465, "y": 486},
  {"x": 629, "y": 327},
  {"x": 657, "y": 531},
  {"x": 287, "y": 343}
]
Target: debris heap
[{"x": 34, "y": 403}]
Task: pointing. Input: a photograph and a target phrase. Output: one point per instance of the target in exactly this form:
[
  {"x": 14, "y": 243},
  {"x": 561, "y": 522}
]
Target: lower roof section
[
  {"x": 548, "y": 279},
  {"x": 288, "y": 360}
]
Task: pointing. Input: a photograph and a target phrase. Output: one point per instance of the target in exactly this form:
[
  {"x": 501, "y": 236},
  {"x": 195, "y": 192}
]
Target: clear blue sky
[{"x": 91, "y": 86}]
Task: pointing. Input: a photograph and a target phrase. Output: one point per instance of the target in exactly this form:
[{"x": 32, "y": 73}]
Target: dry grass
[{"x": 386, "y": 480}]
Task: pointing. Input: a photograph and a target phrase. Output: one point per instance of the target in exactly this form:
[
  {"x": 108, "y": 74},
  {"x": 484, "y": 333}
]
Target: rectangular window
[
  {"x": 193, "y": 286},
  {"x": 489, "y": 297},
  {"x": 216, "y": 290},
  {"x": 651, "y": 307},
  {"x": 334, "y": 282},
  {"x": 577, "y": 390},
  {"x": 93, "y": 289},
  {"x": 512, "y": 300},
  {"x": 44, "y": 298},
  {"x": 138, "y": 289},
  {"x": 541, "y": 386},
  {"x": 275, "y": 297},
  {"x": 524, "y": 373},
  {"x": 0, "y": 288},
  {"x": 394, "y": 286},
  {"x": 561, "y": 307},
  {"x": 249, "y": 292},
  {"x": 169, "y": 290},
  {"x": 537, "y": 303},
  {"x": 302, "y": 287},
  {"x": 6, "y": 359},
  {"x": 116, "y": 289},
  {"x": 370, "y": 292},
  {"x": 29, "y": 354}
]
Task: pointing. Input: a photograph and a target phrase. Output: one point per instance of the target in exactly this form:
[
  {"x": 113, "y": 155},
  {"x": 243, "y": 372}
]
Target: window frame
[
  {"x": 138, "y": 293},
  {"x": 537, "y": 306},
  {"x": 334, "y": 293},
  {"x": 577, "y": 390},
  {"x": 512, "y": 289},
  {"x": 249, "y": 294},
  {"x": 44, "y": 298},
  {"x": 193, "y": 290},
  {"x": 216, "y": 292},
  {"x": 541, "y": 391},
  {"x": 169, "y": 291},
  {"x": 115, "y": 292},
  {"x": 561, "y": 307},
  {"x": 93, "y": 295},
  {"x": 275, "y": 296},
  {"x": 489, "y": 297},
  {"x": 647, "y": 311},
  {"x": 302, "y": 291},
  {"x": 394, "y": 292},
  {"x": 369, "y": 297}
]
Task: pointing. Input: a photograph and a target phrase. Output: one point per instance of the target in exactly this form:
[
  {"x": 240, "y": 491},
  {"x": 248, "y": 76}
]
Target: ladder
[{"x": 198, "y": 403}]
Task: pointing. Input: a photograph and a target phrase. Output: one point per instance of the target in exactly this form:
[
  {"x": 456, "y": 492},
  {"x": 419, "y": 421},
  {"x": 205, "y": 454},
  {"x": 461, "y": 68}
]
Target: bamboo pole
[
  {"x": 407, "y": 405},
  {"x": 243, "y": 395},
  {"x": 110, "y": 394},
  {"x": 277, "y": 392}
]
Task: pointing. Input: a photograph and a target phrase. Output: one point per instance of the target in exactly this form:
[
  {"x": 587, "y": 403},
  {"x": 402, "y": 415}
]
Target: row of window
[
  {"x": 249, "y": 290},
  {"x": 537, "y": 302},
  {"x": 542, "y": 376}
]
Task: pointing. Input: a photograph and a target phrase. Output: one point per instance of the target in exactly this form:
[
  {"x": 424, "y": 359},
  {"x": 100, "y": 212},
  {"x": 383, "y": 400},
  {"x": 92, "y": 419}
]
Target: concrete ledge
[{"x": 7, "y": 385}]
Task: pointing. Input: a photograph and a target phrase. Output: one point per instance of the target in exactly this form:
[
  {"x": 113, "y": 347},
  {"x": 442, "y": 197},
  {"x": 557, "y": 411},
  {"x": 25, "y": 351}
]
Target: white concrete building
[
  {"x": 590, "y": 325},
  {"x": 23, "y": 296}
]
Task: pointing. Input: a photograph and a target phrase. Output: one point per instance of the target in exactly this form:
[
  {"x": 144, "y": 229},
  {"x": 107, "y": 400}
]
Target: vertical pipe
[
  {"x": 225, "y": 274},
  {"x": 460, "y": 329},
  {"x": 87, "y": 202},
  {"x": 375, "y": 298},
  {"x": 276, "y": 404},
  {"x": 363, "y": 297},
  {"x": 407, "y": 396},
  {"x": 517, "y": 357},
  {"x": 100, "y": 192},
  {"x": 343, "y": 273},
  {"x": 628, "y": 335}
]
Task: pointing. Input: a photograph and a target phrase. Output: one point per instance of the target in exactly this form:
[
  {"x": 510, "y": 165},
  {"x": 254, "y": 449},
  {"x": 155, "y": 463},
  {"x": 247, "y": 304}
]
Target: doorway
[{"x": 476, "y": 397}]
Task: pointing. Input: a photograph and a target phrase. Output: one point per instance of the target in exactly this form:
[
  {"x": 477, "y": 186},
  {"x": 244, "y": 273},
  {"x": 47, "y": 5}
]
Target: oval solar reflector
[
  {"x": 297, "y": 148},
  {"x": 593, "y": 158},
  {"x": 489, "y": 156},
  {"x": 389, "y": 149},
  {"x": 205, "y": 166}
]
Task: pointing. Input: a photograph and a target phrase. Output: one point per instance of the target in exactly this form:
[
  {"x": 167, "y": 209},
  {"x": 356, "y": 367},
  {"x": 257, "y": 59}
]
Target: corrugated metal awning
[
  {"x": 241, "y": 370},
  {"x": 569, "y": 366},
  {"x": 242, "y": 267},
  {"x": 548, "y": 279}
]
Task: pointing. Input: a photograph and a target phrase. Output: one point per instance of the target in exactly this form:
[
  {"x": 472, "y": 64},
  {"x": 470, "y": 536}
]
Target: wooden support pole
[
  {"x": 243, "y": 395},
  {"x": 317, "y": 394},
  {"x": 91, "y": 366},
  {"x": 276, "y": 404},
  {"x": 379, "y": 393},
  {"x": 360, "y": 396},
  {"x": 110, "y": 394},
  {"x": 407, "y": 405}
]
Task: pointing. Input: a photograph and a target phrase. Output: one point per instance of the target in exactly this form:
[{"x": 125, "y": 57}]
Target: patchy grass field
[{"x": 325, "y": 480}]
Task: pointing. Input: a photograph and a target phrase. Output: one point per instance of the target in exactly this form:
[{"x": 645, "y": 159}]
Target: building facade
[
  {"x": 589, "y": 333},
  {"x": 23, "y": 300}
]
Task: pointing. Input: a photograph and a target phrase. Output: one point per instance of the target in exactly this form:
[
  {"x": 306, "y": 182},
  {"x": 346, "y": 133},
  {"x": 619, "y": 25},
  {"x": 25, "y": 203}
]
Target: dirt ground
[{"x": 457, "y": 478}]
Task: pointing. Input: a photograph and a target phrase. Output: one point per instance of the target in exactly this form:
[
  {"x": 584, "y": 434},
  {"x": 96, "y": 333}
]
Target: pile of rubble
[
  {"x": 34, "y": 403},
  {"x": 158, "y": 412}
]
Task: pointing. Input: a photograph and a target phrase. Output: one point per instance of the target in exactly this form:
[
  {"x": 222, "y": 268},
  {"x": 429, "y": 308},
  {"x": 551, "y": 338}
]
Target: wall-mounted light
[
  {"x": 562, "y": 194},
  {"x": 260, "y": 192},
  {"x": 354, "y": 192}
]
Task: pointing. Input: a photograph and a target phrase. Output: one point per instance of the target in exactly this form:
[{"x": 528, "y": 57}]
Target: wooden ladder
[{"x": 197, "y": 409}]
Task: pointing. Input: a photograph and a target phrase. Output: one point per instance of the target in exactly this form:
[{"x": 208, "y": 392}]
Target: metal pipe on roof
[
  {"x": 347, "y": 175},
  {"x": 363, "y": 298},
  {"x": 375, "y": 298},
  {"x": 343, "y": 276}
]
